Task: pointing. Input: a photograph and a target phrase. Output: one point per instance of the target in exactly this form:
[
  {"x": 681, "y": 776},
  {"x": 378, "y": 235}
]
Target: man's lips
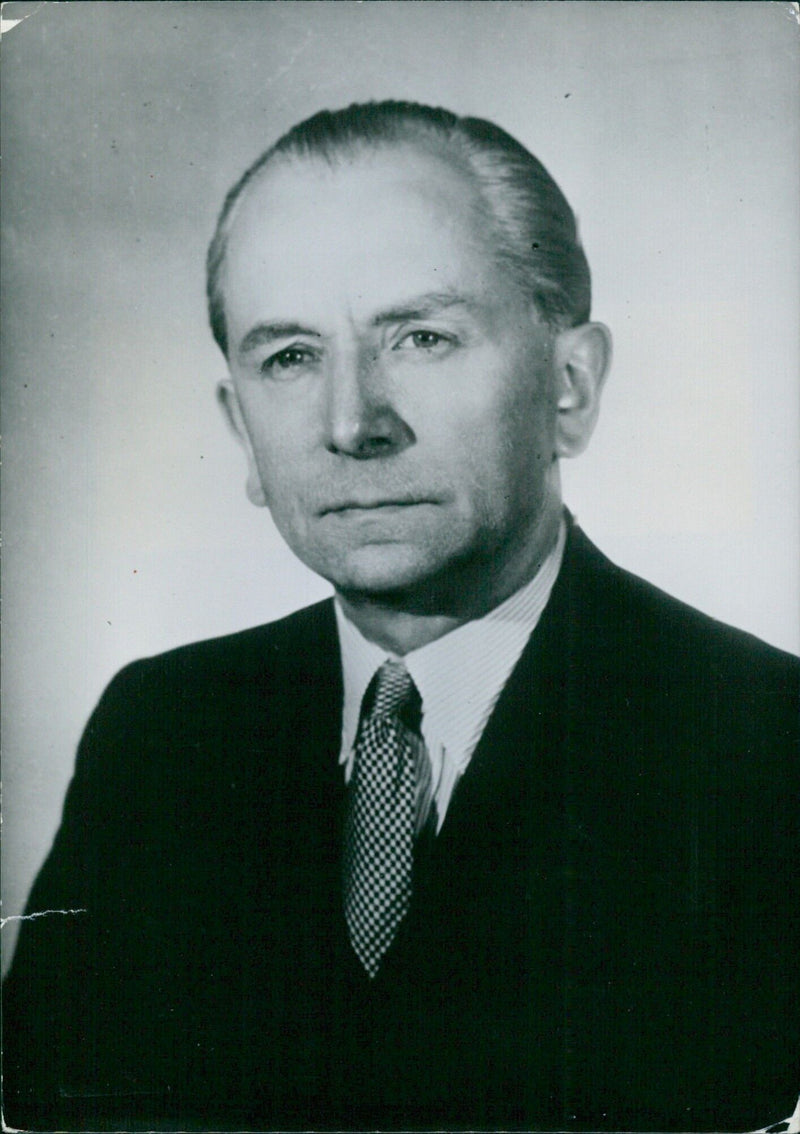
[{"x": 375, "y": 504}]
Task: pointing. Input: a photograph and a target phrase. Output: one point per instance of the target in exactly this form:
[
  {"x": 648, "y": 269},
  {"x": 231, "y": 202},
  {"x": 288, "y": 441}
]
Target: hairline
[
  {"x": 350, "y": 154},
  {"x": 453, "y": 146}
]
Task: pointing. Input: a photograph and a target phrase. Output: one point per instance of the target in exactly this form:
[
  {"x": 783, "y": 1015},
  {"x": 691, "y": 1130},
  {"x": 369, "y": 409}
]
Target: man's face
[{"x": 393, "y": 389}]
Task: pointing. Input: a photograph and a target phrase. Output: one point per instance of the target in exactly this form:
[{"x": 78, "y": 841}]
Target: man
[{"x": 501, "y": 837}]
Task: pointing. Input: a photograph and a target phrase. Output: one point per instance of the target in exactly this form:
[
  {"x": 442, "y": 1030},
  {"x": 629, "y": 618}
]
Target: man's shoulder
[
  {"x": 215, "y": 675},
  {"x": 645, "y": 669},
  {"x": 298, "y": 637},
  {"x": 632, "y": 617}
]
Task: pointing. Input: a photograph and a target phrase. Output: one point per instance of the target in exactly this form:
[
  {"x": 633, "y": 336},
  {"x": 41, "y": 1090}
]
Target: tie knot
[{"x": 393, "y": 689}]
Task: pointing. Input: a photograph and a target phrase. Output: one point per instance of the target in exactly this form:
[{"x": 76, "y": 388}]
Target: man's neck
[{"x": 400, "y": 623}]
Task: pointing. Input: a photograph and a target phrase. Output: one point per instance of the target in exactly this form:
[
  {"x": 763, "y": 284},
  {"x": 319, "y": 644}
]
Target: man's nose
[{"x": 362, "y": 420}]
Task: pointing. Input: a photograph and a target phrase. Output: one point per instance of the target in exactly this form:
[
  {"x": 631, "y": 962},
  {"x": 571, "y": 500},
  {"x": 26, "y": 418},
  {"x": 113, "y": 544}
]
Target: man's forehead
[
  {"x": 311, "y": 187},
  {"x": 379, "y": 228}
]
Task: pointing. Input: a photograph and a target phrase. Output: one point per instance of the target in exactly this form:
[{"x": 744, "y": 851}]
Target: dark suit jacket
[{"x": 603, "y": 936}]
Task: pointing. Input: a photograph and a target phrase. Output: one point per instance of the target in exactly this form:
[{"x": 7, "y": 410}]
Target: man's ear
[
  {"x": 232, "y": 412},
  {"x": 582, "y": 357}
]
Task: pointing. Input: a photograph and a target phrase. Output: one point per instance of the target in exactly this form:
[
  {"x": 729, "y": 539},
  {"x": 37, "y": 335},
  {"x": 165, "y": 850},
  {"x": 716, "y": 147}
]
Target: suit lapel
[
  {"x": 500, "y": 886},
  {"x": 519, "y": 765}
]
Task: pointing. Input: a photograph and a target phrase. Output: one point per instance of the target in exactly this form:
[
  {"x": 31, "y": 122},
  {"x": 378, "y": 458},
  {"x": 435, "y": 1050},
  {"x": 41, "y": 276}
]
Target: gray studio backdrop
[{"x": 672, "y": 127}]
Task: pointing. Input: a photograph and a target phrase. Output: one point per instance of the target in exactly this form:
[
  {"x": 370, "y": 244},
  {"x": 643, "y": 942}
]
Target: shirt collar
[{"x": 460, "y": 675}]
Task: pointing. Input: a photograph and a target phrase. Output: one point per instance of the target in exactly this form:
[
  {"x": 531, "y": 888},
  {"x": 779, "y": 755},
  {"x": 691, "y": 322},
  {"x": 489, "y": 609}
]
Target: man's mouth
[{"x": 373, "y": 504}]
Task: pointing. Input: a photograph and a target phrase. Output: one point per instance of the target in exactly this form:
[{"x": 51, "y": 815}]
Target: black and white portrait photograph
[{"x": 401, "y": 566}]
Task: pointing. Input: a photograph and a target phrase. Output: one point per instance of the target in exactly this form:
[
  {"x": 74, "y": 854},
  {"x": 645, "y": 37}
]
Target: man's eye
[
  {"x": 288, "y": 359},
  {"x": 424, "y": 340}
]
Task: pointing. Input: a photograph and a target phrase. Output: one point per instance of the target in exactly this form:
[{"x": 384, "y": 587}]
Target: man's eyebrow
[
  {"x": 265, "y": 333},
  {"x": 421, "y": 307}
]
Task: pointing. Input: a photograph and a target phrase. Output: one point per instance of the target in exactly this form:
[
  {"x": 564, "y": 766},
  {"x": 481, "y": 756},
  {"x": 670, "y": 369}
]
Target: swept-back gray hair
[{"x": 533, "y": 228}]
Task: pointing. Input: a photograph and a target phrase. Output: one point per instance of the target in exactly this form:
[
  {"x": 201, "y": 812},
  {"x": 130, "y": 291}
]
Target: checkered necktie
[{"x": 379, "y": 831}]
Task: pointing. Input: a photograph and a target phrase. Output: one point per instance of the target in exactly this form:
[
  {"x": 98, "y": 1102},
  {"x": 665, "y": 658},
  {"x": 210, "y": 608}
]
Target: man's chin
[{"x": 383, "y": 572}]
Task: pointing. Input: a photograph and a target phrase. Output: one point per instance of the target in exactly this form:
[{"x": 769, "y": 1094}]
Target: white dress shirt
[{"x": 459, "y": 677}]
